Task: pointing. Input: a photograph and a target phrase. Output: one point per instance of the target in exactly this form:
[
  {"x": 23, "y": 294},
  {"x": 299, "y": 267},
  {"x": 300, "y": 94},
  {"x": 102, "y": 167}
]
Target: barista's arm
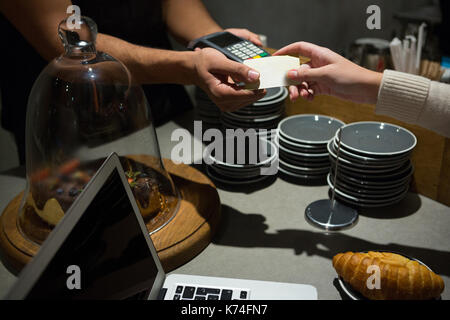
[
  {"x": 189, "y": 19},
  {"x": 37, "y": 20}
]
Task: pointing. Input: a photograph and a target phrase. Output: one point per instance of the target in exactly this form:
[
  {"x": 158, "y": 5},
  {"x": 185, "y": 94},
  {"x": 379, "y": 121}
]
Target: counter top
[{"x": 263, "y": 234}]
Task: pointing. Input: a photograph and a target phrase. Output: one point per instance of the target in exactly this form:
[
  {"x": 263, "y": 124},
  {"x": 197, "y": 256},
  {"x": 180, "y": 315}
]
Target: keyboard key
[
  {"x": 162, "y": 293},
  {"x": 201, "y": 291},
  {"x": 212, "y": 291},
  {"x": 200, "y": 298},
  {"x": 205, "y": 291},
  {"x": 177, "y": 297},
  {"x": 213, "y": 297},
  {"x": 226, "y": 294},
  {"x": 243, "y": 295},
  {"x": 179, "y": 289},
  {"x": 188, "y": 292}
]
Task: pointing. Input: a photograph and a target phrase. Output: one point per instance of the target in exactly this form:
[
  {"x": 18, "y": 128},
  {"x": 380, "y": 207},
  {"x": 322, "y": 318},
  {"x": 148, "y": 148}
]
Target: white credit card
[{"x": 272, "y": 71}]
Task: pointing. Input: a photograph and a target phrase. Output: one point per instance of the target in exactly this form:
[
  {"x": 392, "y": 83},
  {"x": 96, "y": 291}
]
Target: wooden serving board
[{"x": 185, "y": 236}]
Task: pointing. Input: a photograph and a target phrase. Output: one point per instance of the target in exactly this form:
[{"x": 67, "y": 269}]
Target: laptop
[{"x": 101, "y": 249}]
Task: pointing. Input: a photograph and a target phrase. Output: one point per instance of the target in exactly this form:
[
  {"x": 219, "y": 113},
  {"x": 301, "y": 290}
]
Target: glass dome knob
[{"x": 79, "y": 37}]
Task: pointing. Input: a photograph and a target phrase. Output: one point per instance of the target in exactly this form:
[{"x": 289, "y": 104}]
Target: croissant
[{"x": 399, "y": 277}]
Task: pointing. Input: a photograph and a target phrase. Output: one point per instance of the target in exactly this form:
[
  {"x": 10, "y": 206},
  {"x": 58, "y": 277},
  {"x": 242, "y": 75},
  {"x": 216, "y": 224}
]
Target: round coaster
[{"x": 326, "y": 215}]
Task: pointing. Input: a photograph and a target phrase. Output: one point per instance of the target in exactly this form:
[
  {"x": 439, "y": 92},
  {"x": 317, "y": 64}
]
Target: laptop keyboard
[{"x": 201, "y": 293}]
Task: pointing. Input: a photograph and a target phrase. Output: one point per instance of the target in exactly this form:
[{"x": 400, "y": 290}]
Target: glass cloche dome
[{"x": 83, "y": 106}]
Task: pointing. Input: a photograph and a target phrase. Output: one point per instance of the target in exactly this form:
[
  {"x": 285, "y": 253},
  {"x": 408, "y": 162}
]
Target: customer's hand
[
  {"x": 217, "y": 76},
  {"x": 330, "y": 74},
  {"x": 246, "y": 34}
]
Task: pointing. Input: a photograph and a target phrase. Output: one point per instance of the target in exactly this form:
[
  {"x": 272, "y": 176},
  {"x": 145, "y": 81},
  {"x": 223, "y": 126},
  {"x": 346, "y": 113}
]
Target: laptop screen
[{"x": 107, "y": 247}]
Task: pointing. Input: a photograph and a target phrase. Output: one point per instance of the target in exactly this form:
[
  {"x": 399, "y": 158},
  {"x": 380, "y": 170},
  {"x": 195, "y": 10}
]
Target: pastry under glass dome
[{"x": 83, "y": 106}]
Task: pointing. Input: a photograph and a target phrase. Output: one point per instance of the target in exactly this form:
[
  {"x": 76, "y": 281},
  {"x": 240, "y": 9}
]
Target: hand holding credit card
[{"x": 273, "y": 71}]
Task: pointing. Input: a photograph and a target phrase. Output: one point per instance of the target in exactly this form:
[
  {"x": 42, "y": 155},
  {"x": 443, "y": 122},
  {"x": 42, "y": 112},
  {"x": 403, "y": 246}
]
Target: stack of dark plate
[
  {"x": 205, "y": 109},
  {"x": 374, "y": 167},
  {"x": 236, "y": 161},
  {"x": 302, "y": 141},
  {"x": 264, "y": 114}
]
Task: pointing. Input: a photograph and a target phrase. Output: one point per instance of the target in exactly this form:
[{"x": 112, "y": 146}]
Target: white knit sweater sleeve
[{"x": 415, "y": 100}]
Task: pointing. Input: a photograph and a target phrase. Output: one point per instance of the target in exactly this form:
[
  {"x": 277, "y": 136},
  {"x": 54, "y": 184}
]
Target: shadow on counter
[{"x": 249, "y": 230}]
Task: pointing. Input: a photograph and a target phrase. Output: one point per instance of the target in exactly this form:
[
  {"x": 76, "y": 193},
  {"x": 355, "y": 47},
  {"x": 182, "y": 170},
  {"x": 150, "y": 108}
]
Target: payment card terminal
[{"x": 234, "y": 47}]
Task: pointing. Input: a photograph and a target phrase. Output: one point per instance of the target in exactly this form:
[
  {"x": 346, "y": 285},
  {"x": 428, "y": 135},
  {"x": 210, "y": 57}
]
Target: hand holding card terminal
[{"x": 232, "y": 46}]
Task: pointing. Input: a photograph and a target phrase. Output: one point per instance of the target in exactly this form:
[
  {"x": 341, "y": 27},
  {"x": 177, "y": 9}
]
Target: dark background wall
[{"x": 331, "y": 23}]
